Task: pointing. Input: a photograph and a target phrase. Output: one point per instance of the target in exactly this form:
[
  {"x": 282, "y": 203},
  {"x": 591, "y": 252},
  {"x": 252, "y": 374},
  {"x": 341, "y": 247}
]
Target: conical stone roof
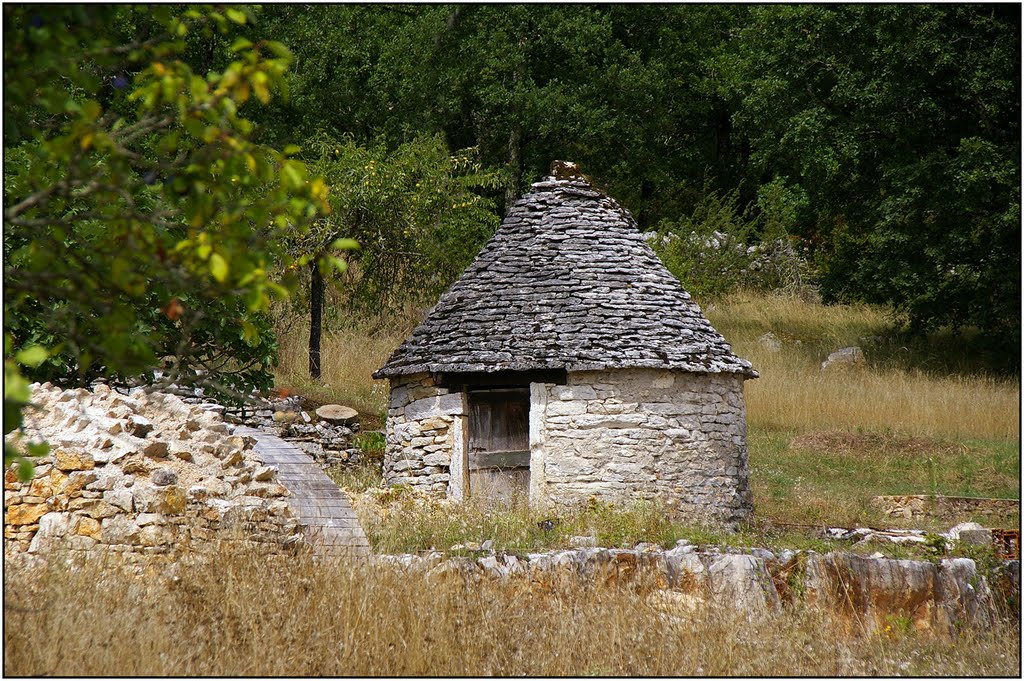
[{"x": 567, "y": 282}]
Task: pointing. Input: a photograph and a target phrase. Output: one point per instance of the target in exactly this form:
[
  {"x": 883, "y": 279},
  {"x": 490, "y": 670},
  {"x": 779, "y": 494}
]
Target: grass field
[
  {"x": 920, "y": 416},
  {"x": 248, "y": 615}
]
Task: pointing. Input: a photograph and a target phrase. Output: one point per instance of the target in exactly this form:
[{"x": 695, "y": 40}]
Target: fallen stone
[
  {"x": 162, "y": 477},
  {"x": 844, "y": 357},
  {"x": 264, "y": 473},
  {"x": 139, "y": 426},
  {"x": 157, "y": 449}
]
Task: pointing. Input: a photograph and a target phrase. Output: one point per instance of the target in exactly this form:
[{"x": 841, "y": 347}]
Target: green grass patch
[{"x": 829, "y": 478}]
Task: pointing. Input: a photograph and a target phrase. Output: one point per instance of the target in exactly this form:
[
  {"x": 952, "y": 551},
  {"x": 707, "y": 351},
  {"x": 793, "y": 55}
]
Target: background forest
[{"x": 172, "y": 173}]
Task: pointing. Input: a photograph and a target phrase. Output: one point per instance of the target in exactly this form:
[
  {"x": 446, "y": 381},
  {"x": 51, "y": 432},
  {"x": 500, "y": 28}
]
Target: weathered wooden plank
[
  {"x": 478, "y": 460},
  {"x": 499, "y": 420}
]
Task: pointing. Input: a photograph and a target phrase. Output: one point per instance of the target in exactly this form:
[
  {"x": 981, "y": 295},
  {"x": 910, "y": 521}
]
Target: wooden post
[{"x": 316, "y": 310}]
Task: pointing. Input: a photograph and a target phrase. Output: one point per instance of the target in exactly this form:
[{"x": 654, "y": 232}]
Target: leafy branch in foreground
[{"x": 141, "y": 222}]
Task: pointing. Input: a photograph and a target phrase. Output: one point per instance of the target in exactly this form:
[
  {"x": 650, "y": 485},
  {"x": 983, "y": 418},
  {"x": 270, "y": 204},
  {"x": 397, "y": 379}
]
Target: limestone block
[
  {"x": 162, "y": 477},
  {"x": 566, "y": 408},
  {"x": 158, "y": 535},
  {"x": 87, "y": 527},
  {"x": 40, "y": 487},
  {"x": 875, "y": 589},
  {"x": 439, "y": 458},
  {"x": 95, "y": 508},
  {"x": 150, "y": 499},
  {"x": 70, "y": 460},
  {"x": 406, "y": 464},
  {"x": 80, "y": 543},
  {"x": 434, "y": 406},
  {"x": 119, "y": 530},
  {"x": 53, "y": 526},
  {"x": 435, "y": 423},
  {"x": 25, "y": 514},
  {"x": 106, "y": 478},
  {"x": 743, "y": 581},
  {"x": 609, "y": 421},
  {"x": 121, "y": 498}
]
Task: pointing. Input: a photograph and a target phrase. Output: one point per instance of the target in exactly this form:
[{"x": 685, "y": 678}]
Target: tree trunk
[{"x": 316, "y": 312}]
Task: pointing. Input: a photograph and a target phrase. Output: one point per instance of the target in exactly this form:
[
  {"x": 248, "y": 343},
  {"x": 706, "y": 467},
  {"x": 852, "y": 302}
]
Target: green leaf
[
  {"x": 345, "y": 244},
  {"x": 339, "y": 264},
  {"x": 219, "y": 267},
  {"x": 25, "y": 469},
  {"x": 249, "y": 332},
  {"x": 240, "y": 44},
  {"x": 38, "y": 448},
  {"x": 33, "y": 356},
  {"x": 235, "y": 15},
  {"x": 293, "y": 176}
]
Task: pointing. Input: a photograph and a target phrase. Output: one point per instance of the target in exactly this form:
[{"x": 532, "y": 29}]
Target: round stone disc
[{"x": 336, "y": 413}]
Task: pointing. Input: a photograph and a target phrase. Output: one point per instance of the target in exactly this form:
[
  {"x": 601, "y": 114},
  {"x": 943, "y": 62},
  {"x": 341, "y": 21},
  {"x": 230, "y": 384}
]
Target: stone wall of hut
[
  {"x": 633, "y": 434},
  {"x": 616, "y": 436},
  {"x": 423, "y": 426}
]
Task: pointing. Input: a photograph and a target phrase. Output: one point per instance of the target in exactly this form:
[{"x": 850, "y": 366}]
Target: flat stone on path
[{"x": 327, "y": 517}]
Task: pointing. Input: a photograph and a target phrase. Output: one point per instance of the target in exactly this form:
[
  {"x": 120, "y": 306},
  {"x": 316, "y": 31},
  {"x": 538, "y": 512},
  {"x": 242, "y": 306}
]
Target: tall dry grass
[
  {"x": 252, "y": 616},
  {"x": 348, "y": 357},
  {"x": 889, "y": 392}
]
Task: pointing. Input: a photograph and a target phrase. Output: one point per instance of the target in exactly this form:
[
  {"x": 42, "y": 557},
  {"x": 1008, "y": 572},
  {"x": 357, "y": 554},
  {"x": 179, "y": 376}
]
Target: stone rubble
[
  {"x": 939, "y": 506},
  {"x": 329, "y": 440},
  {"x": 139, "y": 474}
]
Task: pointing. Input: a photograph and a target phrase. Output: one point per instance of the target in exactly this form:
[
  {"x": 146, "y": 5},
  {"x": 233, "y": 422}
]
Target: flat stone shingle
[{"x": 567, "y": 282}]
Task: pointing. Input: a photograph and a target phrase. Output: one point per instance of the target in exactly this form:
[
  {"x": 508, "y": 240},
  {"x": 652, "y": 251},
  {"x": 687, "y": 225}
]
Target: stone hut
[{"x": 567, "y": 363}]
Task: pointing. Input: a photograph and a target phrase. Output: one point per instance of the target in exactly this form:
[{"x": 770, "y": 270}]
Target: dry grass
[
  {"x": 253, "y": 616},
  {"x": 348, "y": 357},
  {"x": 890, "y": 392}
]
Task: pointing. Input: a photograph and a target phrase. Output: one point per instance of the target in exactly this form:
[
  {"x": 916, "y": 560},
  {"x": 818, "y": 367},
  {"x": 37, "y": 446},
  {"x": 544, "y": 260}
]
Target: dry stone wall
[
  {"x": 139, "y": 474},
  {"x": 643, "y": 434},
  {"x": 870, "y": 593},
  {"x": 936, "y": 506},
  {"x": 421, "y": 434}
]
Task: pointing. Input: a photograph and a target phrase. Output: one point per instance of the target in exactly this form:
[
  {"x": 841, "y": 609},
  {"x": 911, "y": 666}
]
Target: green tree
[
  {"x": 141, "y": 223},
  {"x": 624, "y": 91},
  {"x": 414, "y": 212},
  {"x": 901, "y": 125}
]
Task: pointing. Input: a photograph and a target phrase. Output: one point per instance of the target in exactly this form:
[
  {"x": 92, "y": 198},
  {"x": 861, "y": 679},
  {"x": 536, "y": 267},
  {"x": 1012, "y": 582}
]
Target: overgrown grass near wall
[{"x": 253, "y": 616}]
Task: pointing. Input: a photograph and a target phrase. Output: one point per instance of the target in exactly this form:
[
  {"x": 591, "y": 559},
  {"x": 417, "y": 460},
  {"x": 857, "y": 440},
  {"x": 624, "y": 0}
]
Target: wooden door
[{"x": 499, "y": 444}]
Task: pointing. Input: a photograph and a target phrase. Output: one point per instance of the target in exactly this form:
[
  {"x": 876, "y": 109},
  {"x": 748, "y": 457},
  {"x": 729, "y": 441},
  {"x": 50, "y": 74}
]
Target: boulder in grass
[
  {"x": 336, "y": 413},
  {"x": 852, "y": 356}
]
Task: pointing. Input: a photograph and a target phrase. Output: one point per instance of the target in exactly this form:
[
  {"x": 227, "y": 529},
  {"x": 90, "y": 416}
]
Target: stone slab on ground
[{"x": 323, "y": 509}]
